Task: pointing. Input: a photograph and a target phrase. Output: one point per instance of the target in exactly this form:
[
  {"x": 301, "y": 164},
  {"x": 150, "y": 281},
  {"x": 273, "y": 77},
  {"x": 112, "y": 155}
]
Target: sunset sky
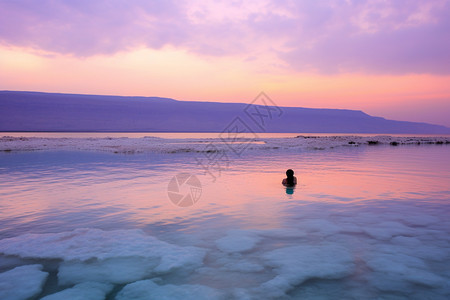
[{"x": 387, "y": 58}]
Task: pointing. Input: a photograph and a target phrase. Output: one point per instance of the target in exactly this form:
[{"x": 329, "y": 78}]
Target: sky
[{"x": 387, "y": 58}]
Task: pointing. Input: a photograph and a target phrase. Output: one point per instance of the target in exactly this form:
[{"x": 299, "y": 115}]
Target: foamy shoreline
[{"x": 195, "y": 145}]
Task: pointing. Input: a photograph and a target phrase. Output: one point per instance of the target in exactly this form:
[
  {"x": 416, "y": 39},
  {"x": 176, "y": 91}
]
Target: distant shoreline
[
  {"x": 199, "y": 134},
  {"x": 55, "y": 112},
  {"x": 175, "y": 131},
  {"x": 149, "y": 144}
]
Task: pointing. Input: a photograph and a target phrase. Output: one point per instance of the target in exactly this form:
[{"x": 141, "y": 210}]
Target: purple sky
[{"x": 393, "y": 37}]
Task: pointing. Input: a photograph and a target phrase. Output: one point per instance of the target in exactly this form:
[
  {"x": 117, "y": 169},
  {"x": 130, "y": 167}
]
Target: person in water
[{"x": 291, "y": 180}]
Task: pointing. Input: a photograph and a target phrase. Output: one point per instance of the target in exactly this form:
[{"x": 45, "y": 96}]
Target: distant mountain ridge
[{"x": 36, "y": 111}]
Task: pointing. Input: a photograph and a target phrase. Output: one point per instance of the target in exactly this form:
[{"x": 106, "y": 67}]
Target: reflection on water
[
  {"x": 42, "y": 191},
  {"x": 290, "y": 190},
  {"x": 385, "y": 209}
]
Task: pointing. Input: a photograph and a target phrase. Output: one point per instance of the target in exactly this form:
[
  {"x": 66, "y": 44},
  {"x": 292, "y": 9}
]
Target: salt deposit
[
  {"x": 296, "y": 264},
  {"x": 84, "y": 244},
  {"x": 82, "y": 291},
  {"x": 22, "y": 282},
  {"x": 148, "y": 290},
  {"x": 237, "y": 241},
  {"x": 119, "y": 256},
  {"x": 155, "y": 144},
  {"x": 390, "y": 257}
]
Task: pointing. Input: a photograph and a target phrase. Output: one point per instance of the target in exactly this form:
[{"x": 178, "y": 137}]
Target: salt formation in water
[
  {"x": 149, "y": 290},
  {"x": 119, "y": 256},
  {"x": 382, "y": 254},
  {"x": 335, "y": 250},
  {"x": 155, "y": 144},
  {"x": 87, "y": 244},
  {"x": 82, "y": 291},
  {"x": 22, "y": 282},
  {"x": 296, "y": 264},
  {"x": 114, "y": 270},
  {"x": 237, "y": 241}
]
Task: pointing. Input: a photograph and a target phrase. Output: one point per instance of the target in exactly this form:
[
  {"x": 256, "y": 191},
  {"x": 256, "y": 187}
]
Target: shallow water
[{"x": 363, "y": 222}]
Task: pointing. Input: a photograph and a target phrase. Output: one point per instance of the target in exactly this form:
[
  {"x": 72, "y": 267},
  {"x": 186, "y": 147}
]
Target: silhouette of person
[{"x": 290, "y": 180}]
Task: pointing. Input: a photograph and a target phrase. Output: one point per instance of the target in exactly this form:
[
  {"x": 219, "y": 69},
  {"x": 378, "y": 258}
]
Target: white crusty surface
[{"x": 161, "y": 145}]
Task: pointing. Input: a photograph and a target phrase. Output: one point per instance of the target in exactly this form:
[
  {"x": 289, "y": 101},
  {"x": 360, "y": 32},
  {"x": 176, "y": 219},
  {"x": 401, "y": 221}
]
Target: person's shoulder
[{"x": 284, "y": 181}]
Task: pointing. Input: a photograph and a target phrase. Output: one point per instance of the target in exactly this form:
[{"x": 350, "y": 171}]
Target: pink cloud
[{"x": 381, "y": 37}]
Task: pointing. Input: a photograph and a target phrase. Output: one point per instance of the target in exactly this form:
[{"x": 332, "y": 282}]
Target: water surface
[{"x": 363, "y": 222}]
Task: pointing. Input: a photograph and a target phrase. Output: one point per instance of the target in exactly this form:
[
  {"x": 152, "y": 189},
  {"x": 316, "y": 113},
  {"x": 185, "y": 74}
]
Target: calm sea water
[{"x": 363, "y": 223}]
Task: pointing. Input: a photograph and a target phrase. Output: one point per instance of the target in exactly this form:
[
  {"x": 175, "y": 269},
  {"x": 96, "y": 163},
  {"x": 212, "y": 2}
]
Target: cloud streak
[{"x": 374, "y": 37}]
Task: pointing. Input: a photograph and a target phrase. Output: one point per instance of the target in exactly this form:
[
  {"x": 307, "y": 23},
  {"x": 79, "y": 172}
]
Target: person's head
[
  {"x": 290, "y": 178},
  {"x": 289, "y": 173}
]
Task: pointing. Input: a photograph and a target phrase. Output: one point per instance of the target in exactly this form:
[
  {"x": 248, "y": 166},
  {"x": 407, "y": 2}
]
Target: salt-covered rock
[
  {"x": 243, "y": 267},
  {"x": 387, "y": 230},
  {"x": 413, "y": 219},
  {"x": 194, "y": 145},
  {"x": 118, "y": 256},
  {"x": 283, "y": 233},
  {"x": 22, "y": 282},
  {"x": 296, "y": 264},
  {"x": 406, "y": 241},
  {"x": 82, "y": 291},
  {"x": 114, "y": 270},
  {"x": 319, "y": 226},
  {"x": 148, "y": 290},
  {"x": 84, "y": 244},
  {"x": 238, "y": 241},
  {"x": 393, "y": 270},
  {"x": 421, "y": 251}
]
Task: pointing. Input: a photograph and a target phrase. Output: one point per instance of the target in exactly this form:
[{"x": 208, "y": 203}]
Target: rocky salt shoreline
[{"x": 195, "y": 145}]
